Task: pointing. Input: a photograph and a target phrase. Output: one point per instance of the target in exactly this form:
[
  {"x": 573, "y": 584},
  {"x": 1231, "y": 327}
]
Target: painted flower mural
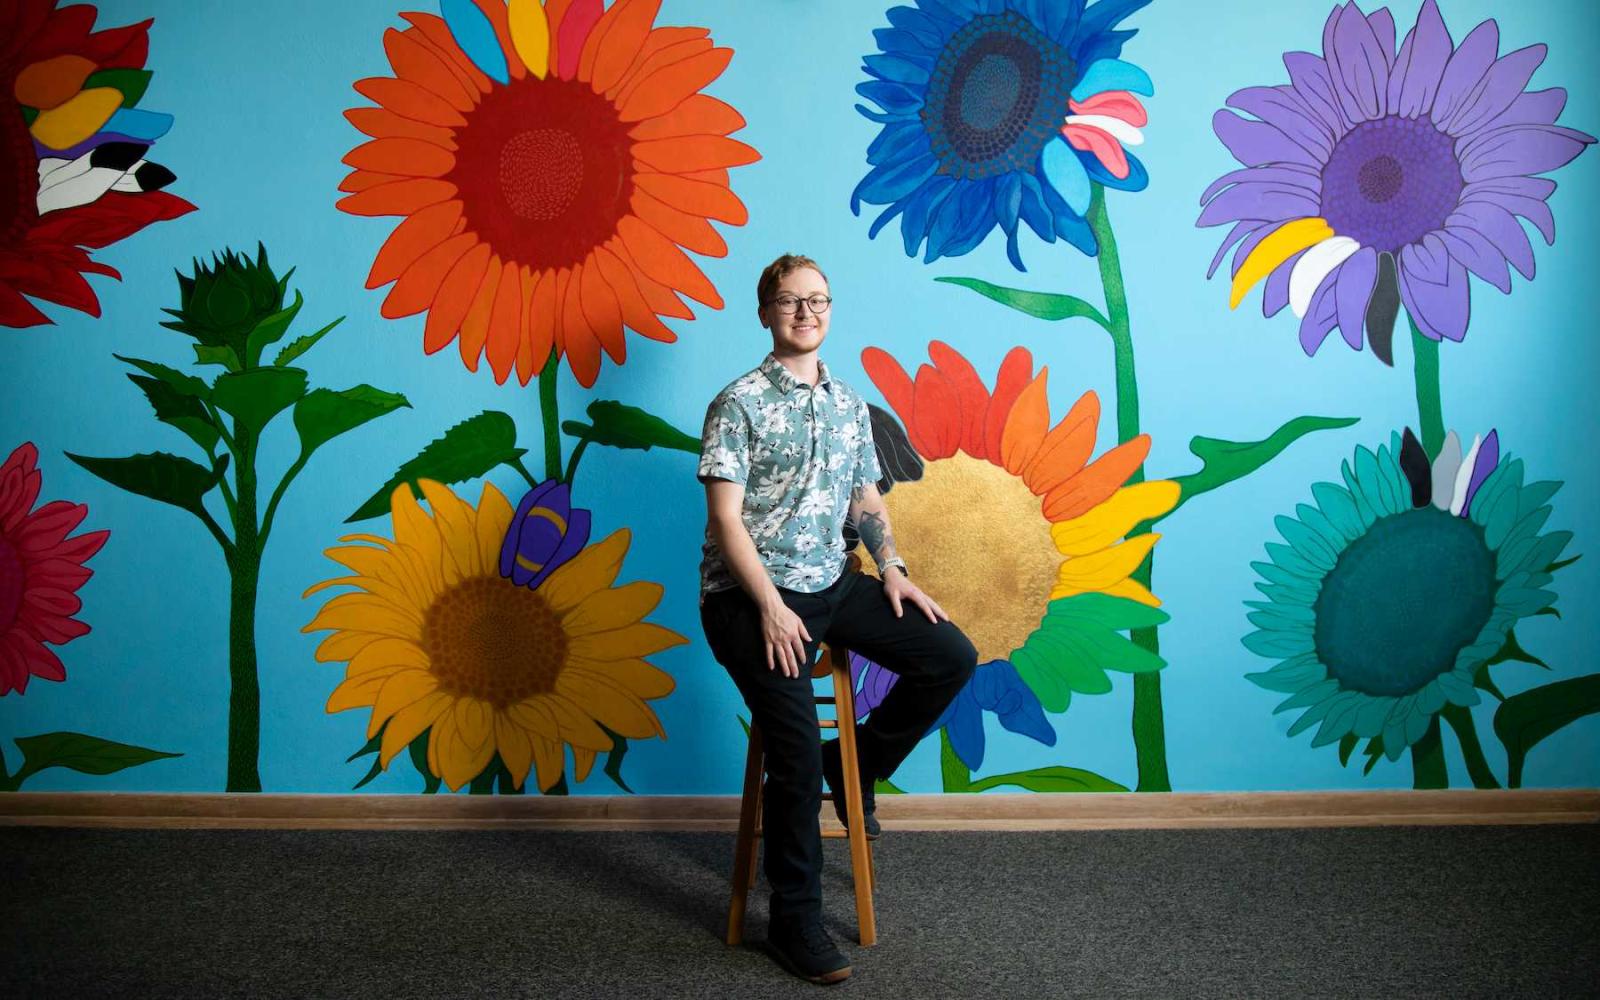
[
  {"x": 996, "y": 112},
  {"x": 73, "y": 170},
  {"x": 1050, "y": 593},
  {"x": 471, "y": 671},
  {"x": 1376, "y": 178},
  {"x": 41, "y": 570},
  {"x": 551, "y": 163},
  {"x": 1368, "y": 645}
]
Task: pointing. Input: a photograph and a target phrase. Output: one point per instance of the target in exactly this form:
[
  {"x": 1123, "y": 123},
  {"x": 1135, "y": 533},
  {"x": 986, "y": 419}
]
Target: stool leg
[
  {"x": 744, "y": 853},
  {"x": 860, "y": 850}
]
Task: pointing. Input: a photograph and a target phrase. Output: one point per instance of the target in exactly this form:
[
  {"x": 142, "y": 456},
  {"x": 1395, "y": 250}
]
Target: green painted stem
[
  {"x": 1427, "y": 760},
  {"x": 1466, "y": 731},
  {"x": 956, "y": 777},
  {"x": 1149, "y": 725},
  {"x": 1425, "y": 369},
  {"x": 551, "y": 415},
  {"x": 244, "y": 695},
  {"x": 5, "y": 775}
]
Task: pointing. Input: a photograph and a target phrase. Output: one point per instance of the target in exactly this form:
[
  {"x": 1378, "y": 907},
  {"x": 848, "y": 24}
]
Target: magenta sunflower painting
[{"x": 1380, "y": 177}]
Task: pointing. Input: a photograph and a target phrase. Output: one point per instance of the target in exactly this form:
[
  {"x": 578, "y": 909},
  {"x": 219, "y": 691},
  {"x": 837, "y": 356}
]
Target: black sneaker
[
  {"x": 807, "y": 951},
  {"x": 833, "y": 773}
]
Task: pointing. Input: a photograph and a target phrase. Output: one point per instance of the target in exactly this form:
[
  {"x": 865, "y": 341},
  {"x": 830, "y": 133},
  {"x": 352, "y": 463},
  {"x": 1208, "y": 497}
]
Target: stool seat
[{"x": 835, "y": 663}]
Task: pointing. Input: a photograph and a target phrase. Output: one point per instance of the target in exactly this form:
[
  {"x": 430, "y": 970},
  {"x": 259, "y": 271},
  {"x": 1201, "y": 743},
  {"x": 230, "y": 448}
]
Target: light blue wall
[{"x": 258, "y": 91}]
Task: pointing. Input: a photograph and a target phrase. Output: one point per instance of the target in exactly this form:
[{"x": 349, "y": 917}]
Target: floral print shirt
[{"x": 799, "y": 451}]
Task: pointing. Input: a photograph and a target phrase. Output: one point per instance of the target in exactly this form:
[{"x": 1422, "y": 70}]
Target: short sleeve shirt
[{"x": 800, "y": 451}]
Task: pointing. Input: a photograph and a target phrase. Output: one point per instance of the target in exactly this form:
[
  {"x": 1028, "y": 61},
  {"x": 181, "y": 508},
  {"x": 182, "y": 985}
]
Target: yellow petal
[
  {"x": 536, "y": 717},
  {"x": 621, "y": 711},
  {"x": 1102, "y": 569},
  {"x": 588, "y": 571},
  {"x": 474, "y": 722},
  {"x": 356, "y": 600},
  {"x": 1106, "y": 523},
  {"x": 459, "y": 763},
  {"x": 547, "y": 758},
  {"x": 415, "y": 530},
  {"x": 582, "y": 763},
  {"x": 355, "y": 692},
  {"x": 612, "y": 608},
  {"x": 377, "y": 619},
  {"x": 77, "y": 118},
  {"x": 516, "y": 748},
  {"x": 639, "y": 676},
  {"x": 455, "y": 522},
  {"x": 341, "y": 646},
  {"x": 640, "y": 639},
  {"x": 409, "y": 722},
  {"x": 399, "y": 690},
  {"x": 1281, "y": 244},
  {"x": 576, "y": 725},
  {"x": 530, "y": 35},
  {"x": 389, "y": 652},
  {"x": 1133, "y": 590},
  {"x": 494, "y": 520}
]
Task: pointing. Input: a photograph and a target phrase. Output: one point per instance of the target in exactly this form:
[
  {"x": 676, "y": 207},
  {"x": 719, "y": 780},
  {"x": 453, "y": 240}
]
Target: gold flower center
[
  {"x": 494, "y": 641},
  {"x": 978, "y": 544}
]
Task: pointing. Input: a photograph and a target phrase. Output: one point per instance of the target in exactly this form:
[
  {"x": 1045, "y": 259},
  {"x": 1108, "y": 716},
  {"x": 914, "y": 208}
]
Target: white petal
[
  {"x": 1313, "y": 266},
  {"x": 1120, "y": 130},
  {"x": 80, "y": 190},
  {"x": 49, "y": 165},
  {"x": 130, "y": 181},
  {"x": 1464, "y": 475},
  {"x": 1445, "y": 468}
]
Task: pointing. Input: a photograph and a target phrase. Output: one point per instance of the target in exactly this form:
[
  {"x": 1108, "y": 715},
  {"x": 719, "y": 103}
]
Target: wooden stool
[{"x": 833, "y": 661}]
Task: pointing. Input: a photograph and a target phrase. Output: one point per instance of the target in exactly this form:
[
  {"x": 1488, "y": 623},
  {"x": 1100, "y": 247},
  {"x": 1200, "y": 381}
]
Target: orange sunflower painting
[{"x": 551, "y": 163}]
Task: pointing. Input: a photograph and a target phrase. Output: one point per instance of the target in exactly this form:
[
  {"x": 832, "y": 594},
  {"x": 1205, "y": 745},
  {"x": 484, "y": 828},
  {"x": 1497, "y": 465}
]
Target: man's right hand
[{"x": 785, "y": 636}]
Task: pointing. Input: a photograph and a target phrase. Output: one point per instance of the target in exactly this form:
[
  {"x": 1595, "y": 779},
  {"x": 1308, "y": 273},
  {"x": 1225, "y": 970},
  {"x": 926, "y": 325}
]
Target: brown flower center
[
  {"x": 494, "y": 641},
  {"x": 983, "y": 549}
]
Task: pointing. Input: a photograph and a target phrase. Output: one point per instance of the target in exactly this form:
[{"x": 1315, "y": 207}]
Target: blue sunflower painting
[{"x": 996, "y": 112}]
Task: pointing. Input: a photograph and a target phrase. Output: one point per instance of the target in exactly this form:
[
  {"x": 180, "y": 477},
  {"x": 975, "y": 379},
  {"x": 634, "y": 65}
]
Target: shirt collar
[{"x": 784, "y": 379}]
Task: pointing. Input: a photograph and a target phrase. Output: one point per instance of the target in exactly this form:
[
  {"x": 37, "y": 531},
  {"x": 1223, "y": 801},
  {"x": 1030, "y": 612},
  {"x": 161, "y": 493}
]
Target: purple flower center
[
  {"x": 997, "y": 94},
  {"x": 1390, "y": 182}
]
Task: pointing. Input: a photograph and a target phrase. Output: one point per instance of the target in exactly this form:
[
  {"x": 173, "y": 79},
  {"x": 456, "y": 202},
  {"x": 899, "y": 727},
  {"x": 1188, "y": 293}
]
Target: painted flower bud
[{"x": 545, "y": 532}]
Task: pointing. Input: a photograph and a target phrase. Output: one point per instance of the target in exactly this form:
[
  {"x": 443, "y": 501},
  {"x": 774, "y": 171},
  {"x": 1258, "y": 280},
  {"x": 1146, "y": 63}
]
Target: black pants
[{"x": 934, "y": 662}]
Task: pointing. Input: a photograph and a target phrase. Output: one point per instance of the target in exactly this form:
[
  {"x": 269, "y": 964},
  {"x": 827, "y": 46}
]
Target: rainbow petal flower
[
  {"x": 551, "y": 164},
  {"x": 41, "y": 570},
  {"x": 1378, "y": 177},
  {"x": 996, "y": 111},
  {"x": 73, "y": 172}
]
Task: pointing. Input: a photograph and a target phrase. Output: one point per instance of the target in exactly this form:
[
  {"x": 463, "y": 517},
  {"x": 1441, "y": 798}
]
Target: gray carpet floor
[{"x": 1399, "y": 912}]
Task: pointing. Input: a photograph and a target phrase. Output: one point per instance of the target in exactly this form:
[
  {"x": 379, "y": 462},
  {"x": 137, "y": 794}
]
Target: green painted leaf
[
  {"x": 159, "y": 476},
  {"x": 1347, "y": 743},
  {"x": 1225, "y": 461},
  {"x": 77, "y": 752},
  {"x": 622, "y": 426},
  {"x": 302, "y": 345},
  {"x": 29, "y": 114},
  {"x": 188, "y": 385},
  {"x": 1522, "y": 720},
  {"x": 1051, "y": 779},
  {"x": 1512, "y": 650},
  {"x": 216, "y": 354},
  {"x": 419, "y": 760},
  {"x": 270, "y": 329},
  {"x": 883, "y": 786},
  {"x": 1562, "y": 563},
  {"x": 255, "y": 396},
  {"x": 619, "y": 750},
  {"x": 176, "y": 409},
  {"x": 466, "y": 451},
  {"x": 324, "y": 414},
  {"x": 131, "y": 82},
  {"x": 1044, "y": 305}
]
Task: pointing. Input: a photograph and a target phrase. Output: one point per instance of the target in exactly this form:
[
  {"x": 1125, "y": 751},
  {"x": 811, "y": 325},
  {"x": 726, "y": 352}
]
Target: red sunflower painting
[
  {"x": 74, "y": 176},
  {"x": 40, "y": 572},
  {"x": 551, "y": 162}
]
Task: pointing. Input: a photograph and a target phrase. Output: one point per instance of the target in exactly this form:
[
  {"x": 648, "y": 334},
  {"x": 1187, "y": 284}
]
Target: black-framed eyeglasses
[{"x": 789, "y": 304}]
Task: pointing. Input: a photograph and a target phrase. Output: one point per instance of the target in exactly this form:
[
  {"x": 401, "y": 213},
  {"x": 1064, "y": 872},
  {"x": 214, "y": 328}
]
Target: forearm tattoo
[{"x": 877, "y": 537}]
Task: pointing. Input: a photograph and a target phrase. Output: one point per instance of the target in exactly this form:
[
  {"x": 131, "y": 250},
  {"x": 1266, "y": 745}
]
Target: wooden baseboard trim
[{"x": 989, "y": 812}]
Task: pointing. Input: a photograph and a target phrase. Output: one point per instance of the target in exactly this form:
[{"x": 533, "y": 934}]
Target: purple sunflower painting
[{"x": 1380, "y": 177}]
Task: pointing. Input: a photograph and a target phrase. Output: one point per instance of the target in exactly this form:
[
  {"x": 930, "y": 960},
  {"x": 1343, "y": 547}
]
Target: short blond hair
[{"x": 780, "y": 269}]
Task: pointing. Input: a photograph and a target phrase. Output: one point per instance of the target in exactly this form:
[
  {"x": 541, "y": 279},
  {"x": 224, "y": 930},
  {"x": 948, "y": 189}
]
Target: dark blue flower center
[
  {"x": 1403, "y": 600},
  {"x": 1390, "y": 182},
  {"x": 998, "y": 93}
]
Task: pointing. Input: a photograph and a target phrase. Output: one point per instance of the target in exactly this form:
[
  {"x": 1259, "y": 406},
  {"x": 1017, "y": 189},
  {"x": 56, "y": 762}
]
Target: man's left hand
[{"x": 899, "y": 588}]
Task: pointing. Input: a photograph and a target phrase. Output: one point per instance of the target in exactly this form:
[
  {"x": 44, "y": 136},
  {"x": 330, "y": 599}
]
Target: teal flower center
[{"x": 1403, "y": 600}]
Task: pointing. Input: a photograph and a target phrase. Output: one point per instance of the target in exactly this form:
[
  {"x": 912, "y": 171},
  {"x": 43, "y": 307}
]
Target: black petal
[
  {"x": 1382, "y": 309},
  {"x": 1414, "y": 463}
]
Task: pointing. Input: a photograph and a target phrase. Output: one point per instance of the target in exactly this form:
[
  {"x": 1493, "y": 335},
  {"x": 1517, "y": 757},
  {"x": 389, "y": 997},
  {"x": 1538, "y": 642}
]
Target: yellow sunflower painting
[{"x": 437, "y": 642}]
